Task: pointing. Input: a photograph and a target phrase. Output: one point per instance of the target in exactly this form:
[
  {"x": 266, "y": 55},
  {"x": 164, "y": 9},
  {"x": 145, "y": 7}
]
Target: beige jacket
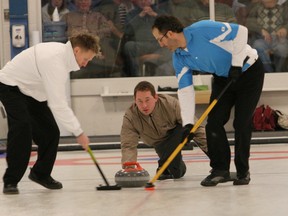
[{"x": 153, "y": 129}]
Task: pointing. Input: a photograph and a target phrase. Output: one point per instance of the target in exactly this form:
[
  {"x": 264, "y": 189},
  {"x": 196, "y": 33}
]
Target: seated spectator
[
  {"x": 138, "y": 36},
  {"x": 182, "y": 9},
  {"x": 116, "y": 11},
  {"x": 111, "y": 10},
  {"x": 269, "y": 25},
  {"x": 85, "y": 20},
  {"x": 223, "y": 12},
  {"x": 72, "y": 6},
  {"x": 48, "y": 9},
  {"x": 227, "y": 2},
  {"x": 282, "y": 2},
  {"x": 123, "y": 9},
  {"x": 242, "y": 9}
]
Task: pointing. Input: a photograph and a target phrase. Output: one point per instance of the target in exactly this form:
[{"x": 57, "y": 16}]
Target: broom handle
[
  {"x": 197, "y": 124},
  {"x": 95, "y": 162}
]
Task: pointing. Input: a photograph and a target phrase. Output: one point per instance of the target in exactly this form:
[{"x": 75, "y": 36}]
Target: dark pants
[
  {"x": 177, "y": 167},
  {"x": 244, "y": 96},
  {"x": 28, "y": 119}
]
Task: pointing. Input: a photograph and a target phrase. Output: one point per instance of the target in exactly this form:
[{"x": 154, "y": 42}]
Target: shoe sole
[
  {"x": 164, "y": 178},
  {"x": 10, "y": 192},
  {"x": 208, "y": 185},
  {"x": 236, "y": 182},
  {"x": 216, "y": 183}
]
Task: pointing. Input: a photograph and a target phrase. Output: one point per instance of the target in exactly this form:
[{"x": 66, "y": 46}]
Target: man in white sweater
[{"x": 33, "y": 92}]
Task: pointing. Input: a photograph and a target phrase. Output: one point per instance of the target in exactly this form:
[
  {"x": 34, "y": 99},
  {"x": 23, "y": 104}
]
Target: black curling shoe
[
  {"x": 216, "y": 177},
  {"x": 48, "y": 182},
  {"x": 10, "y": 189},
  {"x": 164, "y": 177},
  {"x": 242, "y": 180}
]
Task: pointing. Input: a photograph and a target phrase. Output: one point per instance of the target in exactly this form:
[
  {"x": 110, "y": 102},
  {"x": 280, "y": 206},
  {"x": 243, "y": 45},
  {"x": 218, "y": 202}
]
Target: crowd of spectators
[{"x": 128, "y": 48}]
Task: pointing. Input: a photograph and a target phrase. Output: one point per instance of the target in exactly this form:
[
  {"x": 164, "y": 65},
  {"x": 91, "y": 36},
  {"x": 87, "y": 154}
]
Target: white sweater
[{"x": 42, "y": 72}]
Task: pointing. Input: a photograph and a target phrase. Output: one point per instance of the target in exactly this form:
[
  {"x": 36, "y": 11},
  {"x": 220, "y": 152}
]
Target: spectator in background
[
  {"x": 116, "y": 11},
  {"x": 139, "y": 40},
  {"x": 181, "y": 9},
  {"x": 84, "y": 20},
  {"x": 244, "y": 9},
  {"x": 72, "y": 6},
  {"x": 48, "y": 9},
  {"x": 227, "y": 2},
  {"x": 223, "y": 12},
  {"x": 124, "y": 8},
  {"x": 268, "y": 23},
  {"x": 282, "y": 2},
  {"x": 110, "y": 9}
]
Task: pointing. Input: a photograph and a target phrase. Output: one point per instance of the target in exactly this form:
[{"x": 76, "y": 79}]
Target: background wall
[
  {"x": 34, "y": 25},
  {"x": 103, "y": 115}
]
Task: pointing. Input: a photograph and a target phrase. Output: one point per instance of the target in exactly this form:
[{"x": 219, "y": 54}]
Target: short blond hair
[{"x": 86, "y": 42}]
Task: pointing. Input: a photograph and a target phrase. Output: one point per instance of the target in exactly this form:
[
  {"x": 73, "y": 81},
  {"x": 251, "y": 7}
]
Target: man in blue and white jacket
[{"x": 219, "y": 49}]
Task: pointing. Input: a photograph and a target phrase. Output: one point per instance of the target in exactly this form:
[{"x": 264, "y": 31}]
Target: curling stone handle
[{"x": 133, "y": 163}]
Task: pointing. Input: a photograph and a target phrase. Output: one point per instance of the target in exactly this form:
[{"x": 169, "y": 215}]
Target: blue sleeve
[{"x": 183, "y": 73}]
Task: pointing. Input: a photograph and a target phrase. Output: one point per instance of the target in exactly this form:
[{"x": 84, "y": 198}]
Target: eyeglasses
[{"x": 160, "y": 40}]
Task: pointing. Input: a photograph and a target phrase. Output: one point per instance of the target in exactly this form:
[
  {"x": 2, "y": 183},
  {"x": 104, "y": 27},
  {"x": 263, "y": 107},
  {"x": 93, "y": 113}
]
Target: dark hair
[
  {"x": 86, "y": 42},
  {"x": 51, "y": 8},
  {"x": 144, "y": 86},
  {"x": 166, "y": 23}
]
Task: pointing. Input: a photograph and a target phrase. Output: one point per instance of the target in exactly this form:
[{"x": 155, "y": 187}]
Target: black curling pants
[
  {"x": 28, "y": 119},
  {"x": 177, "y": 167},
  {"x": 243, "y": 95}
]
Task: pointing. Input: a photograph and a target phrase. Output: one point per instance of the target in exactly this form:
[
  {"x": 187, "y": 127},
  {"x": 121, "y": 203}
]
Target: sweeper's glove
[
  {"x": 187, "y": 132},
  {"x": 234, "y": 73}
]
